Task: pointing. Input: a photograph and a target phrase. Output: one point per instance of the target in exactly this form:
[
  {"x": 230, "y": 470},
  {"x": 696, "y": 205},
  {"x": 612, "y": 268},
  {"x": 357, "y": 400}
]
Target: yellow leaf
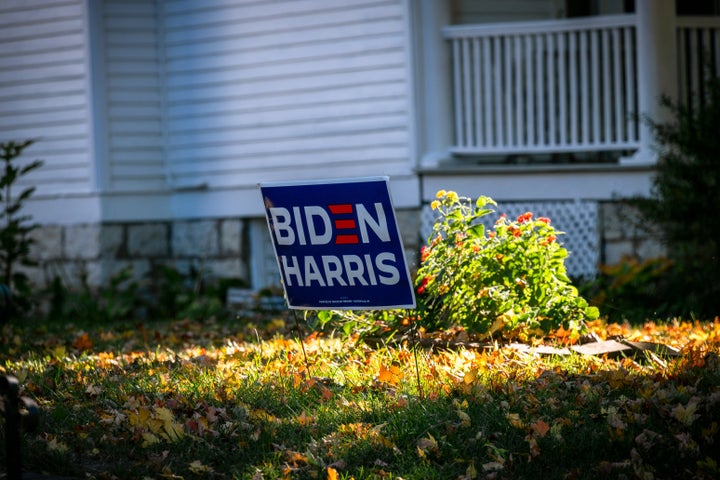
[
  {"x": 514, "y": 420},
  {"x": 470, "y": 376},
  {"x": 163, "y": 414},
  {"x": 464, "y": 418},
  {"x": 390, "y": 375},
  {"x": 500, "y": 322},
  {"x": 295, "y": 459},
  {"x": 149, "y": 439},
  {"x": 685, "y": 415},
  {"x": 305, "y": 419},
  {"x": 332, "y": 474},
  {"x": 425, "y": 445},
  {"x": 139, "y": 418},
  {"x": 159, "y": 422}
]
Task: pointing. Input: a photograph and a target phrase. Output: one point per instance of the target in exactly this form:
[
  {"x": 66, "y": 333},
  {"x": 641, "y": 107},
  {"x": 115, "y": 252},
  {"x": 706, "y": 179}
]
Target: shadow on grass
[{"x": 216, "y": 400}]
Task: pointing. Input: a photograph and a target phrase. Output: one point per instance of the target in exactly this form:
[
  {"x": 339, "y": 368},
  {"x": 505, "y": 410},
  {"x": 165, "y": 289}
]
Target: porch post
[
  {"x": 657, "y": 70},
  {"x": 433, "y": 81}
]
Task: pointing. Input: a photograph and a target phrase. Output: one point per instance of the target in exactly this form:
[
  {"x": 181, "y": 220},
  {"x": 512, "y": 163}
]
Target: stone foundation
[
  {"x": 93, "y": 254},
  {"x": 623, "y": 234},
  {"x": 241, "y": 249}
]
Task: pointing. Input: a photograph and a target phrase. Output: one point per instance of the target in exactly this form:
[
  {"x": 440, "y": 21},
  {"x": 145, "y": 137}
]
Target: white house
[{"x": 156, "y": 119}]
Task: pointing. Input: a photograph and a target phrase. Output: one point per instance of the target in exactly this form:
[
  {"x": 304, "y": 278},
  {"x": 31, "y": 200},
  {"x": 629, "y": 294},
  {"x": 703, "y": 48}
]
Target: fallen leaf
[
  {"x": 492, "y": 466},
  {"x": 305, "y": 419},
  {"x": 93, "y": 390},
  {"x": 540, "y": 428},
  {"x": 427, "y": 445},
  {"x": 514, "y": 420},
  {"x": 82, "y": 342},
  {"x": 55, "y": 446},
  {"x": 173, "y": 431},
  {"x": 464, "y": 418},
  {"x": 685, "y": 414},
  {"x": 390, "y": 375},
  {"x": 470, "y": 376},
  {"x": 149, "y": 439},
  {"x": 198, "y": 468}
]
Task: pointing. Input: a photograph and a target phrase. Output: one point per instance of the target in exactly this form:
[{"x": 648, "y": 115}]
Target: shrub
[
  {"x": 684, "y": 198},
  {"x": 628, "y": 290},
  {"x": 511, "y": 279},
  {"x": 15, "y": 229}
]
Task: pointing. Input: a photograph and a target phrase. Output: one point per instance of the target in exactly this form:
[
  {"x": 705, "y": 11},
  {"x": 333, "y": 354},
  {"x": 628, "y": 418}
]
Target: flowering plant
[{"x": 510, "y": 279}]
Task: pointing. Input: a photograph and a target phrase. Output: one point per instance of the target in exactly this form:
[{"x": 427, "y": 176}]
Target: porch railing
[
  {"x": 698, "y": 54},
  {"x": 545, "y": 86},
  {"x": 563, "y": 85}
]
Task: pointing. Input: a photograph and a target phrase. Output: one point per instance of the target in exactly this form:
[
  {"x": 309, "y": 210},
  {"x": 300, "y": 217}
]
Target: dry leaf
[
  {"x": 464, "y": 418},
  {"x": 305, "y": 419},
  {"x": 390, "y": 375},
  {"x": 685, "y": 414},
  {"x": 540, "y": 428},
  {"x": 198, "y": 468},
  {"x": 514, "y": 420},
  {"x": 82, "y": 342}
]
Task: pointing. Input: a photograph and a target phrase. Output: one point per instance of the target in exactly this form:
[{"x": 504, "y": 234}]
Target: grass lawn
[{"x": 231, "y": 400}]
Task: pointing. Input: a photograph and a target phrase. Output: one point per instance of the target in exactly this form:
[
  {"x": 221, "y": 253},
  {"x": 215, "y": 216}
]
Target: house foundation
[
  {"x": 240, "y": 248},
  {"x": 91, "y": 255}
]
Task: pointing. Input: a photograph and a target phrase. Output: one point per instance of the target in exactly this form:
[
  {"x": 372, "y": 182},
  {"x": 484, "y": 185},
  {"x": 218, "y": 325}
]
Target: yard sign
[{"x": 337, "y": 244}]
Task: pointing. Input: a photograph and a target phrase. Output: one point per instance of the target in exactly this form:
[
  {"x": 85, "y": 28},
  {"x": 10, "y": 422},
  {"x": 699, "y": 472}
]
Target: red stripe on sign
[
  {"x": 346, "y": 239},
  {"x": 340, "y": 208},
  {"x": 345, "y": 224}
]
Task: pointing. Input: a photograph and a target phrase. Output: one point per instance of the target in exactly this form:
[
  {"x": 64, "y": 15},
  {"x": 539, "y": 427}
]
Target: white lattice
[{"x": 578, "y": 219}]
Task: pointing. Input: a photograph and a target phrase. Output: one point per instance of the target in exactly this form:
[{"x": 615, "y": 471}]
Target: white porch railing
[
  {"x": 545, "y": 86},
  {"x": 698, "y": 48}
]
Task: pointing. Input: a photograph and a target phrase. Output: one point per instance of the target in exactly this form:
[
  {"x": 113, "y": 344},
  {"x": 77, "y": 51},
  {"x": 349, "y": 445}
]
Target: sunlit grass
[{"x": 229, "y": 400}]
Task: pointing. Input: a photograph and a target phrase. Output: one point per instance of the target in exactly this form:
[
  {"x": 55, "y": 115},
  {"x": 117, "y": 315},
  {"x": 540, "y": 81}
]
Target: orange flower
[
  {"x": 525, "y": 217},
  {"x": 544, "y": 220},
  {"x": 548, "y": 240}
]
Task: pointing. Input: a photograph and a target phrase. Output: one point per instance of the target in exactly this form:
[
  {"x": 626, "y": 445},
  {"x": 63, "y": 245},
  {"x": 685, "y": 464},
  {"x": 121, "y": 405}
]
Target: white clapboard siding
[
  {"x": 491, "y": 11},
  {"x": 43, "y": 91},
  {"x": 133, "y": 95},
  {"x": 302, "y": 88},
  {"x": 372, "y": 155},
  {"x": 274, "y": 91}
]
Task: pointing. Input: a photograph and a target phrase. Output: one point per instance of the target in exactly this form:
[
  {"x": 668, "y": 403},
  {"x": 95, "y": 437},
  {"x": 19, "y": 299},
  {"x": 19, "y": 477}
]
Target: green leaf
[
  {"x": 476, "y": 231},
  {"x": 31, "y": 166}
]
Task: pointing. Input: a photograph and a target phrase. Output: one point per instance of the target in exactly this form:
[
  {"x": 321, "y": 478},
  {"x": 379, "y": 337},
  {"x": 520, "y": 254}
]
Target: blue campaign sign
[{"x": 337, "y": 244}]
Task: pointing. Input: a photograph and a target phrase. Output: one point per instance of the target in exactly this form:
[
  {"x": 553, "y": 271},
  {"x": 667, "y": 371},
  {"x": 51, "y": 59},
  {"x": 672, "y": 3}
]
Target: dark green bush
[
  {"x": 15, "y": 228},
  {"x": 684, "y": 200},
  {"x": 628, "y": 290}
]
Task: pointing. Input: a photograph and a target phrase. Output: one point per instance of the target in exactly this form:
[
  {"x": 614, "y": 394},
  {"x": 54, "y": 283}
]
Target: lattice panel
[{"x": 578, "y": 219}]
